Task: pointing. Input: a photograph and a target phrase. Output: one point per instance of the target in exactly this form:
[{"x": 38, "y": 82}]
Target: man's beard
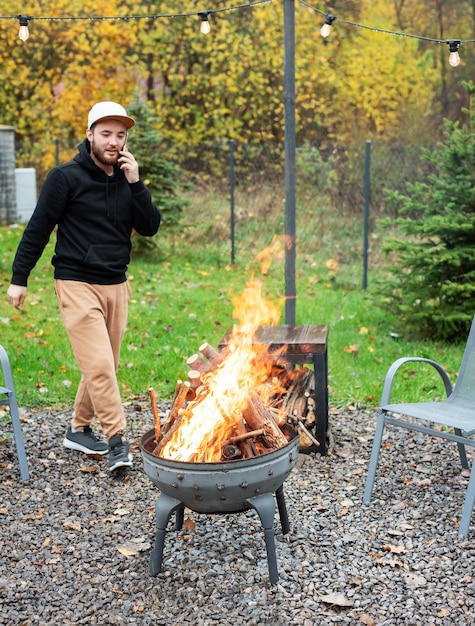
[{"x": 102, "y": 158}]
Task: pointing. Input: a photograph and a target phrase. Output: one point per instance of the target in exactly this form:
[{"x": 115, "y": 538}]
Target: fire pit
[
  {"x": 226, "y": 444},
  {"x": 223, "y": 487}
]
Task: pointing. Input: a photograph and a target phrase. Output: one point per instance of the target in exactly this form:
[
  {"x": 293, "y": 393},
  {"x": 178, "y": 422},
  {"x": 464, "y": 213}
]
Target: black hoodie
[{"x": 95, "y": 214}]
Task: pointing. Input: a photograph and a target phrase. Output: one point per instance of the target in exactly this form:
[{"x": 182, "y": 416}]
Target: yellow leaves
[{"x": 332, "y": 265}]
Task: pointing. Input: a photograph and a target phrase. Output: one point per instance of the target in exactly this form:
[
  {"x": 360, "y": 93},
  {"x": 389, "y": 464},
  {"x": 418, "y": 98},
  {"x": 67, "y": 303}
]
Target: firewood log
[
  {"x": 156, "y": 417},
  {"x": 213, "y": 356},
  {"x": 195, "y": 362},
  {"x": 257, "y": 417},
  {"x": 169, "y": 434},
  {"x": 177, "y": 403},
  {"x": 194, "y": 378}
]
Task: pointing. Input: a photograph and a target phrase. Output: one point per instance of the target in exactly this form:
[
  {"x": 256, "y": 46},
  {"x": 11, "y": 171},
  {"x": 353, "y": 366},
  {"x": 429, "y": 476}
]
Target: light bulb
[
  {"x": 454, "y": 58},
  {"x": 205, "y": 26},
  {"x": 326, "y": 29},
  {"x": 23, "y": 33}
]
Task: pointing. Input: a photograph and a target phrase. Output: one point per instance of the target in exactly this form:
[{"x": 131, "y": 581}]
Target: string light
[
  {"x": 454, "y": 44},
  {"x": 23, "y": 33},
  {"x": 327, "y": 26},
  {"x": 204, "y": 25},
  {"x": 454, "y": 58}
]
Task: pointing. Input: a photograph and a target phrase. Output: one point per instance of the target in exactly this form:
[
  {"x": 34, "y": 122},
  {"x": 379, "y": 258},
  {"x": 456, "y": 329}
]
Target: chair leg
[
  {"x": 373, "y": 463},
  {"x": 17, "y": 433},
  {"x": 468, "y": 505},
  {"x": 461, "y": 449},
  {"x": 14, "y": 414}
]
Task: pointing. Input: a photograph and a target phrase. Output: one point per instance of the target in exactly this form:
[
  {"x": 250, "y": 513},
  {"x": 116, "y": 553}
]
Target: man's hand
[
  {"x": 129, "y": 166},
  {"x": 16, "y": 294}
]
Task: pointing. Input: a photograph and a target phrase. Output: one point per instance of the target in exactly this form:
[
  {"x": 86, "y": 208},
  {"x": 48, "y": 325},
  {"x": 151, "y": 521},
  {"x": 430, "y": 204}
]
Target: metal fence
[{"x": 335, "y": 172}]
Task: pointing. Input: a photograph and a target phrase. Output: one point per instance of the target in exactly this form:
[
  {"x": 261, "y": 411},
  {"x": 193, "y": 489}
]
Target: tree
[
  {"x": 432, "y": 287},
  {"x": 356, "y": 84}
]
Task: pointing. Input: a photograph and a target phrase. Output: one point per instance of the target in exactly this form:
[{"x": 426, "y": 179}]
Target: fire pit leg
[
  {"x": 164, "y": 507},
  {"x": 284, "y": 518},
  {"x": 264, "y": 504}
]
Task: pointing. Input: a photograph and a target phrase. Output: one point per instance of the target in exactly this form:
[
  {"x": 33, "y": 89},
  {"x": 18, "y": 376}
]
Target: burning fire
[{"x": 216, "y": 415}]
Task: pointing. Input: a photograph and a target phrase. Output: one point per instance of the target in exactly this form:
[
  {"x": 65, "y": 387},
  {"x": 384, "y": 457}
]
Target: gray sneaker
[
  {"x": 119, "y": 455},
  {"x": 84, "y": 441}
]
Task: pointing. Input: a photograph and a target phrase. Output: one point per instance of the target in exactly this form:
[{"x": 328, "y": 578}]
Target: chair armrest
[{"x": 388, "y": 381}]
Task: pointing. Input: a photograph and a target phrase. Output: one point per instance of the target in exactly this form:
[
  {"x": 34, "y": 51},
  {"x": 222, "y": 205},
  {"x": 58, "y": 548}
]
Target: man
[{"x": 95, "y": 201}]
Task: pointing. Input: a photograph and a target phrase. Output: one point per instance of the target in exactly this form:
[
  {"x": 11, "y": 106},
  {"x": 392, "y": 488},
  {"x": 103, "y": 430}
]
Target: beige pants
[{"x": 95, "y": 318}]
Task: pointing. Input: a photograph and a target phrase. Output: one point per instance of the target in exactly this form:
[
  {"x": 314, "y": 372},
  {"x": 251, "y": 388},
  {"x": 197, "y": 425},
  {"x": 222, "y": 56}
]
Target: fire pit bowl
[
  {"x": 219, "y": 487},
  {"x": 224, "y": 487}
]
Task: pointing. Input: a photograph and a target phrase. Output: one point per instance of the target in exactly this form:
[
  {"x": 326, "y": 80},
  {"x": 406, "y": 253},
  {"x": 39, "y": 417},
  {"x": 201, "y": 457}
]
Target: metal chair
[
  {"x": 457, "y": 412},
  {"x": 10, "y": 400}
]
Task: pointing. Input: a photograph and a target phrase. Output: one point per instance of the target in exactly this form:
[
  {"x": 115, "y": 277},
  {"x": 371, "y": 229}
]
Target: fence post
[
  {"x": 231, "y": 194},
  {"x": 367, "y": 181},
  {"x": 290, "y": 158}
]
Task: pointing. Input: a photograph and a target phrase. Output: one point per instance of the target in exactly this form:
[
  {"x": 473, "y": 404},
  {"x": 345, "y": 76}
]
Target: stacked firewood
[{"x": 263, "y": 427}]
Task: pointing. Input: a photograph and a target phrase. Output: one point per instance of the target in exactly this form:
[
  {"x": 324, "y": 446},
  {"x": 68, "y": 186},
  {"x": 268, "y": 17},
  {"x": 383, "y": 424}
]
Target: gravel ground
[{"x": 75, "y": 541}]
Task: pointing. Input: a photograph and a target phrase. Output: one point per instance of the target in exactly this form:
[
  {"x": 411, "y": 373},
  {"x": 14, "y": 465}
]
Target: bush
[{"x": 432, "y": 286}]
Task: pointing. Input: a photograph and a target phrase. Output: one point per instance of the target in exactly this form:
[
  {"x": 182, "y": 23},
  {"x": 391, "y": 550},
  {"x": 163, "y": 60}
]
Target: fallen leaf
[
  {"x": 356, "y": 580},
  {"x": 91, "y": 469},
  {"x": 414, "y": 581},
  {"x": 336, "y": 598},
  {"x": 394, "y": 549},
  {"x": 132, "y": 548},
  {"x": 394, "y": 532},
  {"x": 189, "y": 524},
  {"x": 345, "y": 452},
  {"x": 121, "y": 512},
  {"x": 39, "y": 515}
]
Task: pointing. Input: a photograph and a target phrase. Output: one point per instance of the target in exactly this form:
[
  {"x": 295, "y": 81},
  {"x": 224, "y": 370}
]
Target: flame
[{"x": 216, "y": 415}]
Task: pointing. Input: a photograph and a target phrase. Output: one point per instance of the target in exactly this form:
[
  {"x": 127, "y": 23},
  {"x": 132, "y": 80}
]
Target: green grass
[{"x": 183, "y": 292}]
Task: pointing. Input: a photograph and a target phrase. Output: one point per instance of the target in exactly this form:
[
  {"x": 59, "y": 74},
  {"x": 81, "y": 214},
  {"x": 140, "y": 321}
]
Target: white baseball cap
[{"x": 109, "y": 111}]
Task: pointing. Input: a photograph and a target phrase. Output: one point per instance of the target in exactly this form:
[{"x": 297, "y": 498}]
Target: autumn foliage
[{"x": 356, "y": 84}]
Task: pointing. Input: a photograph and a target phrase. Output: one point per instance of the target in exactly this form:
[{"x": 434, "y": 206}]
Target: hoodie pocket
[{"x": 107, "y": 258}]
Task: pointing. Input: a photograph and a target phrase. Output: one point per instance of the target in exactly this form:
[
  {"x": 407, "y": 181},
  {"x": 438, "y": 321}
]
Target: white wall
[{"x": 25, "y": 180}]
